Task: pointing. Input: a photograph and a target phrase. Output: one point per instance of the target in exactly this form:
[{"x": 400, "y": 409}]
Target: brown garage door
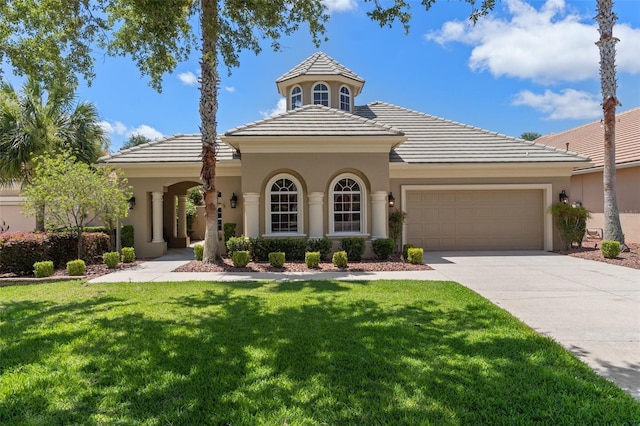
[{"x": 475, "y": 220}]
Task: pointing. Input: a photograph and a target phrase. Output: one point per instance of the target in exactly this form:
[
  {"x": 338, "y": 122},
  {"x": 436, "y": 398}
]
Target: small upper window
[
  {"x": 296, "y": 98},
  {"x": 345, "y": 99},
  {"x": 321, "y": 94}
]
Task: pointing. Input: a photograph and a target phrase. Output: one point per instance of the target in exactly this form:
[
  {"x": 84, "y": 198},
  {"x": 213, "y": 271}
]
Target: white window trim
[
  {"x": 313, "y": 92},
  {"x": 363, "y": 208},
  {"x": 340, "y": 98},
  {"x": 291, "y": 97},
  {"x": 267, "y": 208}
]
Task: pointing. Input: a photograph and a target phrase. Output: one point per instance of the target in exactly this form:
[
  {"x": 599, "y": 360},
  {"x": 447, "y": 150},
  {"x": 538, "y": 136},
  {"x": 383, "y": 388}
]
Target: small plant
[
  {"x": 383, "y": 248},
  {"x": 571, "y": 222},
  {"x": 238, "y": 244},
  {"x": 128, "y": 254},
  {"x": 340, "y": 259},
  {"x": 276, "y": 259},
  {"x": 127, "y": 236},
  {"x": 198, "y": 251},
  {"x": 76, "y": 267},
  {"x": 312, "y": 259},
  {"x": 240, "y": 258},
  {"x": 610, "y": 249},
  {"x": 43, "y": 269},
  {"x": 229, "y": 230},
  {"x": 111, "y": 259},
  {"x": 405, "y": 250},
  {"x": 354, "y": 246},
  {"x": 396, "y": 220},
  {"x": 415, "y": 255}
]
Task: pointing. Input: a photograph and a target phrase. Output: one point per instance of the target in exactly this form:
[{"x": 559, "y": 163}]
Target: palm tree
[{"x": 41, "y": 121}]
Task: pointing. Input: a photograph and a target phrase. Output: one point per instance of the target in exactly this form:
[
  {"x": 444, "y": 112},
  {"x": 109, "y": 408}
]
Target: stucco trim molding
[{"x": 486, "y": 170}]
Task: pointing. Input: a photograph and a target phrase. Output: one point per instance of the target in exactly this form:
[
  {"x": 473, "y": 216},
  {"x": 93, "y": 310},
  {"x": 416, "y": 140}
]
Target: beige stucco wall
[{"x": 11, "y": 204}]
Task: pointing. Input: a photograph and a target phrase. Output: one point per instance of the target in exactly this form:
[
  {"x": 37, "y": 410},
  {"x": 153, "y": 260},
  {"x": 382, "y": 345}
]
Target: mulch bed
[{"x": 629, "y": 259}]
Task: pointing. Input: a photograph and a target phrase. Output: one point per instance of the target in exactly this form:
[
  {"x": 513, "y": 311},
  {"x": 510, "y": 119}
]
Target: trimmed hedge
[
  {"x": 354, "y": 246},
  {"x": 339, "y": 259},
  {"x": 198, "y": 251},
  {"x": 111, "y": 259},
  {"x": 312, "y": 259},
  {"x": 610, "y": 249},
  {"x": 76, "y": 267},
  {"x": 405, "y": 250},
  {"x": 321, "y": 245},
  {"x": 240, "y": 258},
  {"x": 383, "y": 248},
  {"x": 237, "y": 244},
  {"x": 294, "y": 248},
  {"x": 128, "y": 254},
  {"x": 415, "y": 255},
  {"x": 276, "y": 259},
  {"x": 127, "y": 236},
  {"x": 43, "y": 269}
]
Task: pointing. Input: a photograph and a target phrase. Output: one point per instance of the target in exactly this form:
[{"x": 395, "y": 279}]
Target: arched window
[
  {"x": 284, "y": 208},
  {"x": 347, "y": 205},
  {"x": 321, "y": 94},
  {"x": 296, "y": 97},
  {"x": 345, "y": 99}
]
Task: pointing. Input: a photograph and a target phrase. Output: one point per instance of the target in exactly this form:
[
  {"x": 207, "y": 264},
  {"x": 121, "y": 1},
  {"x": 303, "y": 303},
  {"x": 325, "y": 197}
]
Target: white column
[
  {"x": 316, "y": 216},
  {"x": 156, "y": 207},
  {"x": 251, "y": 214},
  {"x": 172, "y": 211},
  {"x": 379, "y": 214},
  {"x": 182, "y": 216}
]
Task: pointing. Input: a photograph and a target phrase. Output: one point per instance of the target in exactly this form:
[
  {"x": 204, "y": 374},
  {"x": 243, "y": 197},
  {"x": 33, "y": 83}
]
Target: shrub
[
  {"x": 20, "y": 250},
  {"x": 571, "y": 222},
  {"x": 94, "y": 244},
  {"x": 240, "y": 258},
  {"x": 238, "y": 244},
  {"x": 76, "y": 267},
  {"x": 63, "y": 247},
  {"x": 312, "y": 259},
  {"x": 340, "y": 259},
  {"x": 198, "y": 251},
  {"x": 229, "y": 230},
  {"x": 610, "y": 249},
  {"x": 354, "y": 246},
  {"x": 43, "y": 269},
  {"x": 322, "y": 245},
  {"x": 415, "y": 255},
  {"x": 128, "y": 254},
  {"x": 294, "y": 248},
  {"x": 111, "y": 259},
  {"x": 276, "y": 259},
  {"x": 396, "y": 219},
  {"x": 127, "y": 236},
  {"x": 405, "y": 250},
  {"x": 383, "y": 248}
]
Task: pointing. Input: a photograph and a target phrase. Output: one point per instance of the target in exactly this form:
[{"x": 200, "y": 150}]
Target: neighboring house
[
  {"x": 586, "y": 182},
  {"x": 330, "y": 168}
]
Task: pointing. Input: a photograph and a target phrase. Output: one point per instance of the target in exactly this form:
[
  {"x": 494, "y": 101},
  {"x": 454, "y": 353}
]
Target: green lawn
[{"x": 336, "y": 353}]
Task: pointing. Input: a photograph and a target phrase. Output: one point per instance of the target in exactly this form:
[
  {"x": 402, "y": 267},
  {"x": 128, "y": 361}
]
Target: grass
[{"x": 295, "y": 353}]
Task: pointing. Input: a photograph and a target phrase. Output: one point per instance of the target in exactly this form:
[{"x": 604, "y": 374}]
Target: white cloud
[
  {"x": 114, "y": 127},
  {"x": 145, "y": 130},
  {"x": 568, "y": 104},
  {"x": 340, "y": 5},
  {"x": 230, "y": 89},
  {"x": 280, "y": 107},
  {"x": 548, "y": 45},
  {"x": 188, "y": 78}
]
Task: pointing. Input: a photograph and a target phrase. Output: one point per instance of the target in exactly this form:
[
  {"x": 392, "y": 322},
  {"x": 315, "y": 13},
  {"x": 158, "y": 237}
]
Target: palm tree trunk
[
  {"x": 208, "y": 110},
  {"x": 607, "y": 46}
]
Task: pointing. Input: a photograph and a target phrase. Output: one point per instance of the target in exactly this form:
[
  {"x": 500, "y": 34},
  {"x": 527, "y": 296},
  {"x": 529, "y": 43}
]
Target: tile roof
[
  {"x": 319, "y": 64},
  {"x": 172, "y": 149},
  {"x": 315, "y": 120},
  {"x": 436, "y": 140},
  {"x": 588, "y": 139}
]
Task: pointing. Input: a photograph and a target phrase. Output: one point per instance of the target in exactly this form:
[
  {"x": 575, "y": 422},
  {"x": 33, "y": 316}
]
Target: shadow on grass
[{"x": 228, "y": 355}]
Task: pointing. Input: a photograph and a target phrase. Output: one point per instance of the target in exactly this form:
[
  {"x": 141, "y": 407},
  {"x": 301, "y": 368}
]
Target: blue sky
[{"x": 531, "y": 66}]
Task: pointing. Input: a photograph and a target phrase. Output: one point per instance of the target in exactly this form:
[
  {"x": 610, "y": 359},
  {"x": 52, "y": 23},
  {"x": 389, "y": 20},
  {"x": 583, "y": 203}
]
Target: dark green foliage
[
  {"x": 128, "y": 254},
  {"x": 294, "y": 248},
  {"x": 126, "y": 236},
  {"x": 312, "y": 259},
  {"x": 610, "y": 249},
  {"x": 94, "y": 245},
  {"x": 340, "y": 258},
  {"x": 76, "y": 267},
  {"x": 396, "y": 220},
  {"x": 415, "y": 255},
  {"x": 383, "y": 248},
  {"x": 229, "y": 230},
  {"x": 63, "y": 247},
  {"x": 240, "y": 258},
  {"x": 571, "y": 222},
  {"x": 111, "y": 259},
  {"x": 276, "y": 259},
  {"x": 322, "y": 245},
  {"x": 43, "y": 269},
  {"x": 198, "y": 251},
  {"x": 405, "y": 250},
  {"x": 354, "y": 246},
  {"x": 238, "y": 244}
]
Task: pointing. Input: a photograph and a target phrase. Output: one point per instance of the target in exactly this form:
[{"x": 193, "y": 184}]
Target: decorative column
[
  {"x": 251, "y": 214},
  {"x": 316, "y": 222},
  {"x": 379, "y": 214},
  {"x": 182, "y": 216},
  {"x": 156, "y": 208}
]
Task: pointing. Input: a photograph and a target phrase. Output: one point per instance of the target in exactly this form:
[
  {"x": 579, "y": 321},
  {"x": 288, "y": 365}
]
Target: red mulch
[{"x": 629, "y": 259}]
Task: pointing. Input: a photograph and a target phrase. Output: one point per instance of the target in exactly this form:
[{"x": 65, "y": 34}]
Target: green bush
[
  {"x": 111, "y": 259},
  {"x": 571, "y": 222},
  {"x": 354, "y": 246},
  {"x": 127, "y": 236},
  {"x": 276, "y": 259},
  {"x": 415, "y": 255},
  {"x": 294, "y": 248},
  {"x": 312, "y": 259},
  {"x": 229, "y": 230},
  {"x": 63, "y": 247},
  {"x": 322, "y": 245},
  {"x": 610, "y": 249},
  {"x": 238, "y": 244},
  {"x": 198, "y": 251},
  {"x": 76, "y": 267},
  {"x": 383, "y": 248},
  {"x": 94, "y": 245},
  {"x": 20, "y": 250},
  {"x": 128, "y": 254},
  {"x": 339, "y": 259},
  {"x": 405, "y": 250},
  {"x": 43, "y": 269},
  {"x": 240, "y": 258}
]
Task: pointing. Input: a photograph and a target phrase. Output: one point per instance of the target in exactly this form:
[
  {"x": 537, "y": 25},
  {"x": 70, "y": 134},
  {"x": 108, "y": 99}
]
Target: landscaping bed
[{"x": 629, "y": 259}]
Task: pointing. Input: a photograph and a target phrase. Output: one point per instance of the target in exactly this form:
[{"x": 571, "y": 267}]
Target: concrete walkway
[{"x": 591, "y": 308}]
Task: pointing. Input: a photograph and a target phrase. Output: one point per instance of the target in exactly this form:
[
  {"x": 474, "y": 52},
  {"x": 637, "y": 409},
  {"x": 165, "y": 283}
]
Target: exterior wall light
[
  {"x": 233, "y": 201},
  {"x": 564, "y": 198},
  {"x": 392, "y": 200},
  {"x": 132, "y": 203}
]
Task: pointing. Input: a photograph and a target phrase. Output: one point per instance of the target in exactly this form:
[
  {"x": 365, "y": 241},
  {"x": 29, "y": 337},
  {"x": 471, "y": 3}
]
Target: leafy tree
[
  {"x": 75, "y": 194},
  {"x": 135, "y": 140},
  {"x": 157, "y": 35},
  {"x": 530, "y": 136}
]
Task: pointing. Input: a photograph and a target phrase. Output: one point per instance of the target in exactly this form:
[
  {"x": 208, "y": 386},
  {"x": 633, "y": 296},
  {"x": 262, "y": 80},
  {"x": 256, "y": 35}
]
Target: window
[
  {"x": 347, "y": 195},
  {"x": 284, "y": 211},
  {"x": 345, "y": 99},
  {"x": 321, "y": 94},
  {"x": 296, "y": 97}
]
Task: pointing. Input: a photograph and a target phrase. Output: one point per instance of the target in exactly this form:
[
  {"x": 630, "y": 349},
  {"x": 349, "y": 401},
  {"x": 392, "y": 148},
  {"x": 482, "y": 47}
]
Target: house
[
  {"x": 327, "y": 167},
  {"x": 586, "y": 181}
]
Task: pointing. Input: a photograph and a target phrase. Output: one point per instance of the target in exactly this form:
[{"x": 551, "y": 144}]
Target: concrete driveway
[{"x": 591, "y": 308}]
